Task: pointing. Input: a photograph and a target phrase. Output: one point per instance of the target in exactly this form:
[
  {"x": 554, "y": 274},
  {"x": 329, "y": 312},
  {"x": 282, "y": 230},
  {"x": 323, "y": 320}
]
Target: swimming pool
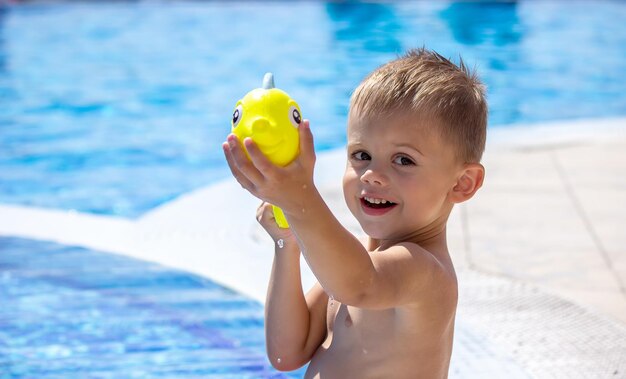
[
  {"x": 70, "y": 312},
  {"x": 116, "y": 108}
]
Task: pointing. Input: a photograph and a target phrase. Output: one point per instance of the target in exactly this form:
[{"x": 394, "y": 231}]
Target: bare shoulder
[
  {"x": 406, "y": 274},
  {"x": 439, "y": 262},
  {"x": 438, "y": 268}
]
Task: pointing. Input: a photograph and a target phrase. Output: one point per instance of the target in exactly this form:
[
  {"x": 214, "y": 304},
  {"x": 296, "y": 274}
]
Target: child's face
[{"x": 398, "y": 178}]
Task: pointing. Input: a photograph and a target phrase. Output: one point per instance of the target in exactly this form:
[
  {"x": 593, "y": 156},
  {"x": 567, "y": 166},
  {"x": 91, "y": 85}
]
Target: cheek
[
  {"x": 429, "y": 198},
  {"x": 426, "y": 193},
  {"x": 350, "y": 185},
  {"x": 350, "y": 178}
]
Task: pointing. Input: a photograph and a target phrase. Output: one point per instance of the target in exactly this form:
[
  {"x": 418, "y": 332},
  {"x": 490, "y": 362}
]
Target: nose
[
  {"x": 260, "y": 126},
  {"x": 374, "y": 176}
]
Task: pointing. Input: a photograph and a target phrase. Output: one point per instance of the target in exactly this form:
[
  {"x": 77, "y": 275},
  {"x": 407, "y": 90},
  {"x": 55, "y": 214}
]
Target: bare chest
[
  {"x": 356, "y": 327},
  {"x": 375, "y": 343}
]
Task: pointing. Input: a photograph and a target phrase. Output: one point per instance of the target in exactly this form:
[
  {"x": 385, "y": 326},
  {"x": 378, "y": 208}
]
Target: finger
[
  {"x": 259, "y": 211},
  {"x": 259, "y": 160},
  {"x": 241, "y": 178},
  {"x": 307, "y": 147},
  {"x": 264, "y": 212},
  {"x": 263, "y": 207},
  {"x": 242, "y": 162}
]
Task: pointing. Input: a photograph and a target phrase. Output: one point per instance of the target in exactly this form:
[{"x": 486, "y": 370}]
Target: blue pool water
[
  {"x": 75, "y": 313},
  {"x": 116, "y": 108}
]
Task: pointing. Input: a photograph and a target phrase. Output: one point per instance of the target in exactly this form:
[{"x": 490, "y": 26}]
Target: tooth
[{"x": 384, "y": 201}]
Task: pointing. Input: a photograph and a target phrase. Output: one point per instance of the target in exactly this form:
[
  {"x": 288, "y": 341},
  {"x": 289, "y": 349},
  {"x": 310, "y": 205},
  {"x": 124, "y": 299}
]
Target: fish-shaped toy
[{"x": 271, "y": 118}]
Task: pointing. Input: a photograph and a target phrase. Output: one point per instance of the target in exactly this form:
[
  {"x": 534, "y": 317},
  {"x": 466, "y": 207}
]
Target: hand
[
  {"x": 282, "y": 186},
  {"x": 265, "y": 217}
]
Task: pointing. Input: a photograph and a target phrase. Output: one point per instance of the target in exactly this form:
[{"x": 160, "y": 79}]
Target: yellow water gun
[{"x": 271, "y": 118}]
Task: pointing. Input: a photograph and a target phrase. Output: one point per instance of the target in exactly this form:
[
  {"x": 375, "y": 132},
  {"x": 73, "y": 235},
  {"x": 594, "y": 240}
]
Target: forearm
[
  {"x": 341, "y": 264},
  {"x": 338, "y": 259},
  {"x": 286, "y": 311}
]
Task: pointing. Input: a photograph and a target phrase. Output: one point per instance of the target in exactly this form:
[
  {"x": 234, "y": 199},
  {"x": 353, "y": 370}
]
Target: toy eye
[
  {"x": 294, "y": 116},
  {"x": 237, "y": 115}
]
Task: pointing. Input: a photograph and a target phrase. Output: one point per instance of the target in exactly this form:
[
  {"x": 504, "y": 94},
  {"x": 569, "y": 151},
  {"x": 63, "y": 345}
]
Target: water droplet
[
  {"x": 348, "y": 320},
  {"x": 278, "y": 360}
]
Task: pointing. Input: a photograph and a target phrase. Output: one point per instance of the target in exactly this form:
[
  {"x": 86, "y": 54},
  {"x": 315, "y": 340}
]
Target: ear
[{"x": 468, "y": 182}]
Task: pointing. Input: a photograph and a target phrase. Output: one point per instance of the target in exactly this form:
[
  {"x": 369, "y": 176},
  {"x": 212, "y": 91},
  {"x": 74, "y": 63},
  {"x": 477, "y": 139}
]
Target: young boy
[{"x": 385, "y": 307}]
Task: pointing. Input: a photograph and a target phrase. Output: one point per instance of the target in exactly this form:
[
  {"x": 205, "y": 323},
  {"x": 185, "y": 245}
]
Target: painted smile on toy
[{"x": 269, "y": 149}]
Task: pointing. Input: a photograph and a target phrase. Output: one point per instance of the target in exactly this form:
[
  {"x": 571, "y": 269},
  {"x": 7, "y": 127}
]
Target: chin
[
  {"x": 372, "y": 229},
  {"x": 375, "y": 232}
]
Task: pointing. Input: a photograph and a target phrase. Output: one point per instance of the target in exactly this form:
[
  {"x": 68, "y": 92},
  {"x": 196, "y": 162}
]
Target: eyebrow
[{"x": 410, "y": 147}]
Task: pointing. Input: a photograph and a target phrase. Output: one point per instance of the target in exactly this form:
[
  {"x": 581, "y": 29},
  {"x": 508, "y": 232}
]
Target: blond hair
[{"x": 433, "y": 88}]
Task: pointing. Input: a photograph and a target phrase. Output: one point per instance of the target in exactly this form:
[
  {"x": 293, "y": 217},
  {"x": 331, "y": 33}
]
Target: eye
[
  {"x": 361, "y": 156},
  {"x": 237, "y": 114},
  {"x": 294, "y": 116},
  {"x": 403, "y": 161}
]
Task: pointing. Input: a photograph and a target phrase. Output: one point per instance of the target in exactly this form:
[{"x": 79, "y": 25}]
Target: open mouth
[{"x": 375, "y": 203}]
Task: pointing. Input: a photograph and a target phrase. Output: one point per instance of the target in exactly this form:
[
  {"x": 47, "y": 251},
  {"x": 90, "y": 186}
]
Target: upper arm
[
  {"x": 406, "y": 274},
  {"x": 317, "y": 302}
]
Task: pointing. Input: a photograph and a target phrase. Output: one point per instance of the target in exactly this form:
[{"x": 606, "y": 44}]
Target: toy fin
[
  {"x": 268, "y": 81},
  {"x": 281, "y": 220}
]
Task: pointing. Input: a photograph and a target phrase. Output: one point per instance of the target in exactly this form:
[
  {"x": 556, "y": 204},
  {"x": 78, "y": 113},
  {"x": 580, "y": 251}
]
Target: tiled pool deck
[
  {"x": 543, "y": 241},
  {"x": 553, "y": 213}
]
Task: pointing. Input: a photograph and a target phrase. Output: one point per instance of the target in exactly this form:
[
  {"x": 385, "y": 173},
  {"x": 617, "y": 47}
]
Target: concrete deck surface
[{"x": 552, "y": 212}]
